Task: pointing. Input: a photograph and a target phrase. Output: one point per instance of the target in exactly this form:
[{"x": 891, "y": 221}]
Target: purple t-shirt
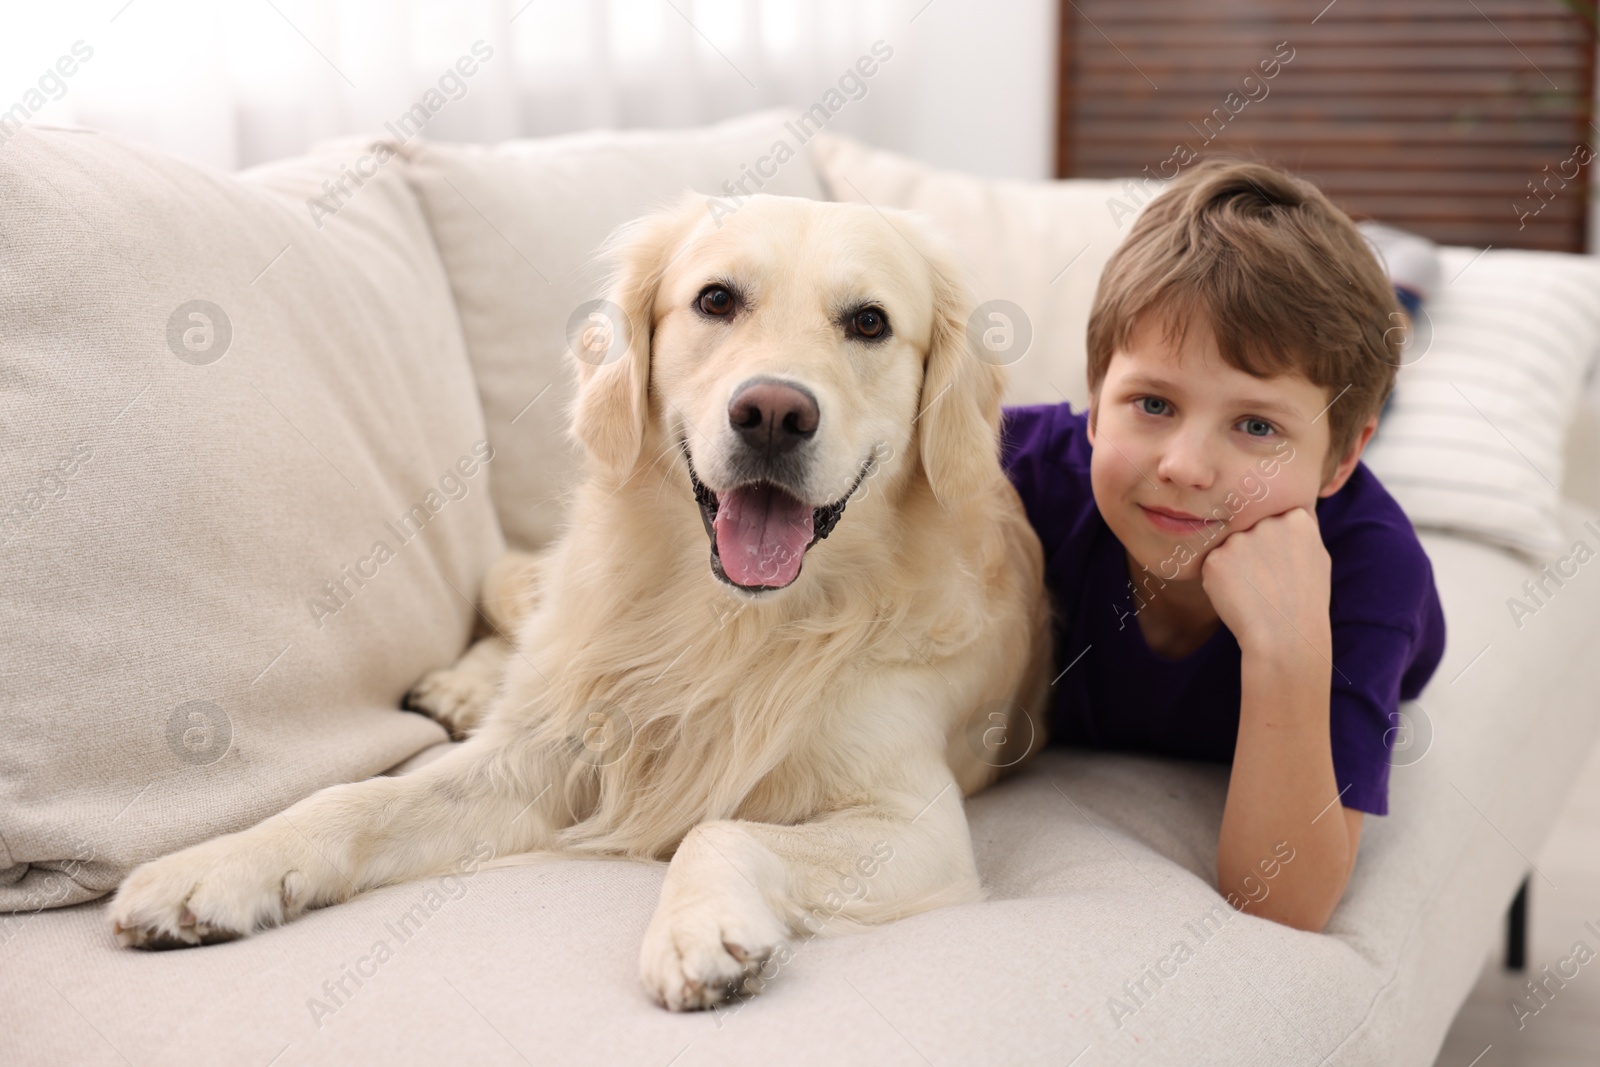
[{"x": 1386, "y": 622}]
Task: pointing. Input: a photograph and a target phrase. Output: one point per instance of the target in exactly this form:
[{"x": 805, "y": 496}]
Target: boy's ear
[{"x": 1347, "y": 465}]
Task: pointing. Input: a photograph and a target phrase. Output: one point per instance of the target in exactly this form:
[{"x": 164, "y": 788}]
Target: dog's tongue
[{"x": 762, "y": 533}]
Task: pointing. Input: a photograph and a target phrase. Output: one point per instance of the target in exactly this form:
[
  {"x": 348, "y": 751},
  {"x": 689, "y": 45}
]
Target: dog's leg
[
  {"x": 736, "y": 892},
  {"x": 511, "y": 590},
  {"x": 459, "y": 696},
  {"x": 485, "y": 798}
]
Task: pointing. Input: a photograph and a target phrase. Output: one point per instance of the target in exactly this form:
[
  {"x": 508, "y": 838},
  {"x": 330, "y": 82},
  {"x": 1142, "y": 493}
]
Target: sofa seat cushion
[{"x": 1103, "y": 930}]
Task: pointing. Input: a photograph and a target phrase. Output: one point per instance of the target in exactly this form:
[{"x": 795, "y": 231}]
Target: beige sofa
[{"x": 263, "y": 433}]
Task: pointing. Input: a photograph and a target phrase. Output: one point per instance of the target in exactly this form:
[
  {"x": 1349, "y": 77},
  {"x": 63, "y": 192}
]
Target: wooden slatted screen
[{"x": 1468, "y": 121}]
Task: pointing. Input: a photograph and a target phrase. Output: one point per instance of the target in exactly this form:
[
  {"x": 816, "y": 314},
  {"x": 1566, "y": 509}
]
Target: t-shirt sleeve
[
  {"x": 1388, "y": 637},
  {"x": 1369, "y": 660}
]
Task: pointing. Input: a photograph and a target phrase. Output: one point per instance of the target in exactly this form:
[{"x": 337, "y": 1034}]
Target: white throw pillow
[
  {"x": 1474, "y": 442},
  {"x": 213, "y": 410}
]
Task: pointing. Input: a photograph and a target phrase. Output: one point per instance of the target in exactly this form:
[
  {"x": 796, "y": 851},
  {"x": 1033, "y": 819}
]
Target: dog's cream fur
[{"x": 799, "y": 754}]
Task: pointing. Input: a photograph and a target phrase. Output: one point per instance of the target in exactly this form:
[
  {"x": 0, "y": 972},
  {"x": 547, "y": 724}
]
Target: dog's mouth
[{"x": 760, "y": 532}]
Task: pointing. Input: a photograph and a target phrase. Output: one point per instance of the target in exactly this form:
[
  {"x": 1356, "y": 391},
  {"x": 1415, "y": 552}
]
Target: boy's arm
[
  {"x": 1282, "y": 796},
  {"x": 1287, "y": 847}
]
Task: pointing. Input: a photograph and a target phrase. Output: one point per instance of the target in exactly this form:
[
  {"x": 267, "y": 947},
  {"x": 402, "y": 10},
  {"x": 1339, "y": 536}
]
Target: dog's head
[{"x": 788, "y": 350}]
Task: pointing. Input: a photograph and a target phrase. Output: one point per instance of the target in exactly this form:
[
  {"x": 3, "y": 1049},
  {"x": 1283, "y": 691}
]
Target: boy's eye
[
  {"x": 1144, "y": 400},
  {"x": 1265, "y": 426}
]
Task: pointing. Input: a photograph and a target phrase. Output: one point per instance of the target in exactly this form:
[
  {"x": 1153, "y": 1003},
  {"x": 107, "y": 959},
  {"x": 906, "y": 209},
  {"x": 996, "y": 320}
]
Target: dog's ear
[
  {"x": 959, "y": 411},
  {"x": 612, "y": 343}
]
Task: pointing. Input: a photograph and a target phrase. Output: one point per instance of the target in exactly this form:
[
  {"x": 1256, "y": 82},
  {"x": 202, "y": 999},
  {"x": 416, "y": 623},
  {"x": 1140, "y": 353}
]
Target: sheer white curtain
[{"x": 237, "y": 82}]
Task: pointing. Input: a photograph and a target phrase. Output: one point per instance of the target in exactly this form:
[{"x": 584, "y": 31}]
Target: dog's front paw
[
  {"x": 456, "y": 699},
  {"x": 216, "y": 891},
  {"x": 698, "y": 954}
]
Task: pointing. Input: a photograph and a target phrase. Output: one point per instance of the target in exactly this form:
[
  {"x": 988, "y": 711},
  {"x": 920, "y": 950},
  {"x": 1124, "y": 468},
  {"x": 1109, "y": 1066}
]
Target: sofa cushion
[
  {"x": 221, "y": 409},
  {"x": 518, "y": 223},
  {"x": 1034, "y": 252}
]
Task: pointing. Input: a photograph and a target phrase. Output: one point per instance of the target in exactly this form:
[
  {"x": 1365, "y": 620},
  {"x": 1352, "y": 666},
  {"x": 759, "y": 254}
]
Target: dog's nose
[{"x": 773, "y": 417}]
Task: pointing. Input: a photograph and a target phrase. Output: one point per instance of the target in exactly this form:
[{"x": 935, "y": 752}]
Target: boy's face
[{"x": 1175, "y": 428}]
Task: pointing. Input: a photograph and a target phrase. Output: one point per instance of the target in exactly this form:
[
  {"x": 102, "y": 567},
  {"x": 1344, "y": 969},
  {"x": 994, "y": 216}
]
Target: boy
[{"x": 1243, "y": 587}]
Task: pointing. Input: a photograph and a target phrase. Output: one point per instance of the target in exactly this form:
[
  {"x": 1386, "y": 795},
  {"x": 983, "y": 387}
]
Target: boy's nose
[{"x": 1187, "y": 461}]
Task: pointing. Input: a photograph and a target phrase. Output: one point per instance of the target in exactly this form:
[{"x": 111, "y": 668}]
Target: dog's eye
[
  {"x": 870, "y": 323},
  {"x": 715, "y": 300}
]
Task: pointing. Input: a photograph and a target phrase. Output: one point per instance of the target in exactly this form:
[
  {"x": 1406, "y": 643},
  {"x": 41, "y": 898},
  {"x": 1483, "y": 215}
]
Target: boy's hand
[{"x": 1270, "y": 584}]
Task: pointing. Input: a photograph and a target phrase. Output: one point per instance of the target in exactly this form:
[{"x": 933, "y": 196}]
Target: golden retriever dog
[{"x": 717, "y": 664}]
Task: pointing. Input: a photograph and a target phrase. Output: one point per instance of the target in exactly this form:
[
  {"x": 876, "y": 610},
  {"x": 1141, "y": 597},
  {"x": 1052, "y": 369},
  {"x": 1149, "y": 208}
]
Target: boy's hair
[{"x": 1282, "y": 277}]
